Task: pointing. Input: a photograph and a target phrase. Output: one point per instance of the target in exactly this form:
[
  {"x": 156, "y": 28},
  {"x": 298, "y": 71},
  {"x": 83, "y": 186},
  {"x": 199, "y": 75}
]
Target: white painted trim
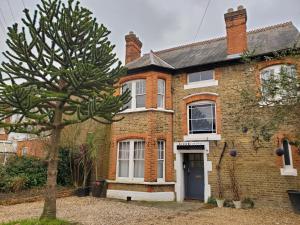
[
  {"x": 200, "y": 84},
  {"x": 146, "y": 110},
  {"x": 178, "y": 165},
  {"x": 141, "y": 196},
  {"x": 140, "y": 182},
  {"x": 201, "y": 93},
  {"x": 287, "y": 171},
  {"x": 202, "y": 137}
]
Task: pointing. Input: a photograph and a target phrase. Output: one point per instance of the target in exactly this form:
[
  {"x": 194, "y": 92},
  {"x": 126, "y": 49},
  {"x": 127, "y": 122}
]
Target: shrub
[
  {"x": 17, "y": 183},
  {"x": 64, "y": 175},
  {"x": 212, "y": 201},
  {"x": 248, "y": 203},
  {"x": 34, "y": 169},
  {"x": 38, "y": 222}
]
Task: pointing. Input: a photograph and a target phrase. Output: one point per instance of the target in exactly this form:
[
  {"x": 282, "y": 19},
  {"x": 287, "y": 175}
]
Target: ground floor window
[
  {"x": 131, "y": 159},
  {"x": 160, "y": 159}
]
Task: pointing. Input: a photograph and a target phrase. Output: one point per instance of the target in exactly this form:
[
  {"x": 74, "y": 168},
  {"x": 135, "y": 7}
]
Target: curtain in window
[
  {"x": 160, "y": 158},
  {"x": 161, "y": 93},
  {"x": 138, "y": 158},
  {"x": 140, "y": 93},
  {"x": 124, "y": 149}
]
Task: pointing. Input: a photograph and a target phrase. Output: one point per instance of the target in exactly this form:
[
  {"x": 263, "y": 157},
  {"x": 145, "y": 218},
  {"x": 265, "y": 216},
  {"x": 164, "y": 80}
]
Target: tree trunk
[{"x": 49, "y": 211}]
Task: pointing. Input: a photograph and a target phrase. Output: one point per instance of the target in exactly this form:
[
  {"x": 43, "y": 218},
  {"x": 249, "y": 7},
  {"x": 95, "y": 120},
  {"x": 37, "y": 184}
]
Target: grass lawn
[{"x": 38, "y": 222}]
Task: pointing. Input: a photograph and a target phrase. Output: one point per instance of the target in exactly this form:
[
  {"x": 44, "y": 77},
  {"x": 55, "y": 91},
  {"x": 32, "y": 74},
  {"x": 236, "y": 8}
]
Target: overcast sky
[{"x": 162, "y": 24}]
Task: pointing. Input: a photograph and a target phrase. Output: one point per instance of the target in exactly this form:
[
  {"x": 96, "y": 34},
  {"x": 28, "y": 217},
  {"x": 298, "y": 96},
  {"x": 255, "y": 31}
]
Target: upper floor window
[
  {"x": 202, "y": 117},
  {"x": 138, "y": 93},
  {"x": 160, "y": 159},
  {"x": 161, "y": 87},
  {"x": 200, "y": 76},
  {"x": 131, "y": 159},
  {"x": 279, "y": 84},
  {"x": 24, "y": 151},
  {"x": 201, "y": 79}
]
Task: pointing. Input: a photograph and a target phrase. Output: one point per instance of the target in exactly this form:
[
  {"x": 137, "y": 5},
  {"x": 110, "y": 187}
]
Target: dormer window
[
  {"x": 201, "y": 79},
  {"x": 138, "y": 93}
]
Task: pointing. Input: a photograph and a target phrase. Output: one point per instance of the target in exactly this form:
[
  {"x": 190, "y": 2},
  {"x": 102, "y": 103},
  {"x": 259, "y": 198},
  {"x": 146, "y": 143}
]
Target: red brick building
[{"x": 167, "y": 146}]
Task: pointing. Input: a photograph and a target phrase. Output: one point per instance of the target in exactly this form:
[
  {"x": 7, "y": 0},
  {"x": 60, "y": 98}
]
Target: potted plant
[
  {"x": 84, "y": 165},
  {"x": 234, "y": 184},
  {"x": 294, "y": 197},
  {"x": 220, "y": 199}
]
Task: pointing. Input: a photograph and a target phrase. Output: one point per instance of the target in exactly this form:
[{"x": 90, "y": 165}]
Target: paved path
[{"x": 92, "y": 211}]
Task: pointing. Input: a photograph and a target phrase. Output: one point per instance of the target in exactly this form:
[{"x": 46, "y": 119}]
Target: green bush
[
  {"x": 33, "y": 169},
  {"x": 64, "y": 175},
  {"x": 212, "y": 201},
  {"x": 26, "y": 172},
  {"x": 248, "y": 203}
]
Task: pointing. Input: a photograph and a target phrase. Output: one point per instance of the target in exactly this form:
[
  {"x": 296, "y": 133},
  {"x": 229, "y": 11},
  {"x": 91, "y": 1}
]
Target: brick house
[{"x": 167, "y": 146}]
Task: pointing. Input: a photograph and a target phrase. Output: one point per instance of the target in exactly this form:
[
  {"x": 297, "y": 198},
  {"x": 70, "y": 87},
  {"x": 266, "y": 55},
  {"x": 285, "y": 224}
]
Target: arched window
[
  {"x": 278, "y": 83},
  {"x": 202, "y": 117},
  {"x": 138, "y": 93}
]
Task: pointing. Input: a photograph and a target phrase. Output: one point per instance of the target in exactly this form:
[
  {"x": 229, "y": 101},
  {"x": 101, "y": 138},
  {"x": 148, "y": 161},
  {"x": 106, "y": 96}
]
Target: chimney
[
  {"x": 236, "y": 30},
  {"x": 133, "y": 47}
]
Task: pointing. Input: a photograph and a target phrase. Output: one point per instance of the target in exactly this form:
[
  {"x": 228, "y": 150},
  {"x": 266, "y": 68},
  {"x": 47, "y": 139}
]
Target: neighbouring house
[
  {"x": 167, "y": 146},
  {"x": 20, "y": 144}
]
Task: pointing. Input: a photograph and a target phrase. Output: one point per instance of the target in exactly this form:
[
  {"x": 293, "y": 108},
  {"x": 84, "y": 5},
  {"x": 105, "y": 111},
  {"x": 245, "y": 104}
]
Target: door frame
[{"x": 178, "y": 165}]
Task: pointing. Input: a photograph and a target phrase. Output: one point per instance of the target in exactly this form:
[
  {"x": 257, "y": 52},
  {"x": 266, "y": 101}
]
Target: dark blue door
[{"x": 194, "y": 176}]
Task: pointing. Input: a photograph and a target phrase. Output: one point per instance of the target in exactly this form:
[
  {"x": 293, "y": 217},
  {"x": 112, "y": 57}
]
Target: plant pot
[
  {"x": 82, "y": 192},
  {"x": 237, "y": 204},
  {"x": 295, "y": 200},
  {"x": 220, "y": 202}
]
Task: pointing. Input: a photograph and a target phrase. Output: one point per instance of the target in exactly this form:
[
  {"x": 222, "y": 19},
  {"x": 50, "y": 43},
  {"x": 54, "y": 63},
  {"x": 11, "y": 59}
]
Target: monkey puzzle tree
[{"x": 60, "y": 70}]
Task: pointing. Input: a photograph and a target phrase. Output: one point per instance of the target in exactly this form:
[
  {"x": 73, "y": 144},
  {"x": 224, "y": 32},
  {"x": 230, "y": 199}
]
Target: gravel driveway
[{"x": 90, "y": 211}]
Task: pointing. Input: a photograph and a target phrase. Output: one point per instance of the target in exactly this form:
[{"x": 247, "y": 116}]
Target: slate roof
[{"x": 261, "y": 41}]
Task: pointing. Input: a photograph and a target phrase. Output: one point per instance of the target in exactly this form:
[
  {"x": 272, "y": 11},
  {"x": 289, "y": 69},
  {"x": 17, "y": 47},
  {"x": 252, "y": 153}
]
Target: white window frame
[
  {"x": 130, "y": 177},
  {"x": 25, "y": 149},
  {"x": 276, "y": 68},
  {"x": 204, "y": 83},
  {"x": 162, "y": 179},
  {"x": 201, "y": 136},
  {"x": 133, "y": 95},
  {"x": 161, "y": 94},
  {"x": 288, "y": 170}
]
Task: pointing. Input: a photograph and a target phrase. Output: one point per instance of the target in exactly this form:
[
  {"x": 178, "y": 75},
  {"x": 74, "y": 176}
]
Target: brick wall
[{"x": 258, "y": 173}]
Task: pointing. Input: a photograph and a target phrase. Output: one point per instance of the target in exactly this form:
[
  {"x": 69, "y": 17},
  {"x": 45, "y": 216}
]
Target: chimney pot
[
  {"x": 230, "y": 10},
  {"x": 133, "y": 47},
  {"x": 240, "y": 7}
]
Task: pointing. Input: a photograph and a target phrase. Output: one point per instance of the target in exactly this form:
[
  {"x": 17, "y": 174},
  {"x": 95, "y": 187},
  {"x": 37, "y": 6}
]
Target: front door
[{"x": 194, "y": 176}]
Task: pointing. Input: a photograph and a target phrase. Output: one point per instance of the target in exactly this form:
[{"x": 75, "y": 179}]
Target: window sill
[
  {"x": 119, "y": 181},
  {"x": 146, "y": 110},
  {"x": 200, "y": 84},
  {"x": 202, "y": 137},
  {"x": 288, "y": 171}
]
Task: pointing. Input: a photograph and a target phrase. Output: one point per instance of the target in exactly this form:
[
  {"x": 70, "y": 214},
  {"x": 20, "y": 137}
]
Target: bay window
[
  {"x": 160, "y": 159},
  {"x": 137, "y": 89},
  {"x": 202, "y": 117},
  {"x": 131, "y": 159},
  {"x": 161, "y": 93}
]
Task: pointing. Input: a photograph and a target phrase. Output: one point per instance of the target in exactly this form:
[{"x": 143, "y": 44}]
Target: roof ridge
[
  {"x": 221, "y": 38},
  {"x": 191, "y": 44},
  {"x": 270, "y": 27}
]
